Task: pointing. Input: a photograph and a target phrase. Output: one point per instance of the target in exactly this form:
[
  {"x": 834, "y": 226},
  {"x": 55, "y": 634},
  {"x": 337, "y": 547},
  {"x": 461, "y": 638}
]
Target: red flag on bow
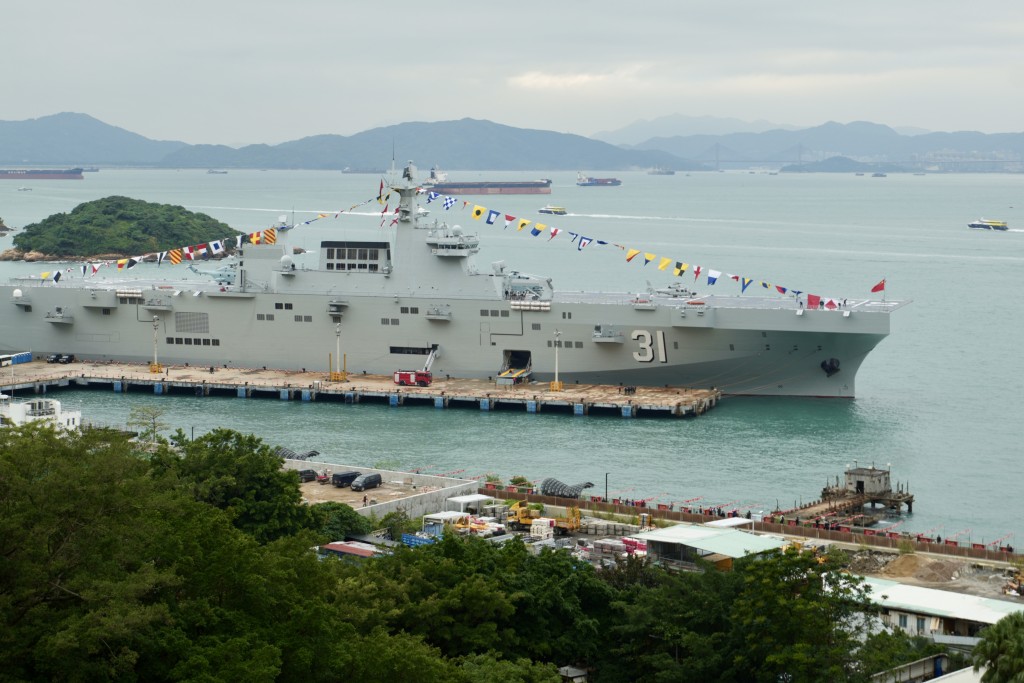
[{"x": 879, "y": 287}]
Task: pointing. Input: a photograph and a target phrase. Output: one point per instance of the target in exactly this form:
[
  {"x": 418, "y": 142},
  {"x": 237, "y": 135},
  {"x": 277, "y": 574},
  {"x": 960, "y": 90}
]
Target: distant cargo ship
[
  {"x": 587, "y": 181},
  {"x": 41, "y": 174},
  {"x": 438, "y": 182}
]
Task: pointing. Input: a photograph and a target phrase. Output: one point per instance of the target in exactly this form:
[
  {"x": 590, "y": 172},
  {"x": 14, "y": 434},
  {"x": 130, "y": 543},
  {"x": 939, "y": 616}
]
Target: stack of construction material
[
  {"x": 607, "y": 550},
  {"x": 542, "y": 528}
]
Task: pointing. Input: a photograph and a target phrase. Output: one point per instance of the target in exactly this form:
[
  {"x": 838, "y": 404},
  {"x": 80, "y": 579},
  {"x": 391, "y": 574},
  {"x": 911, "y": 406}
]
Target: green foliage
[
  {"x": 334, "y": 521},
  {"x": 520, "y": 480},
  {"x": 398, "y": 523},
  {"x": 490, "y": 668},
  {"x": 905, "y": 547},
  {"x": 242, "y": 476},
  {"x": 119, "y": 225},
  {"x": 799, "y": 620},
  {"x": 670, "y": 627},
  {"x": 1001, "y": 650},
  {"x": 195, "y": 563},
  {"x": 111, "y": 571}
]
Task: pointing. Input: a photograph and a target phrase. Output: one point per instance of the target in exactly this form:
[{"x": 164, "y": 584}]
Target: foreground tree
[
  {"x": 798, "y": 619},
  {"x": 110, "y": 572},
  {"x": 241, "y": 475},
  {"x": 1001, "y": 650}
]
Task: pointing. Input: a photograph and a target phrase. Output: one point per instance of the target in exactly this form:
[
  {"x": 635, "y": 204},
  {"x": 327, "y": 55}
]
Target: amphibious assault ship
[{"x": 391, "y": 303}]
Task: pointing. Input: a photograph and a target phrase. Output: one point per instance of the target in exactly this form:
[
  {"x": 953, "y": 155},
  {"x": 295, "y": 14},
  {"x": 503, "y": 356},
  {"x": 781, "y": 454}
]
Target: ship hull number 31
[{"x": 650, "y": 346}]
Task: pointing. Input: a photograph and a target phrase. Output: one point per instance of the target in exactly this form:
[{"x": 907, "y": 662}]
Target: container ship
[
  {"x": 41, "y": 174},
  {"x": 416, "y": 292},
  {"x": 588, "y": 181}
]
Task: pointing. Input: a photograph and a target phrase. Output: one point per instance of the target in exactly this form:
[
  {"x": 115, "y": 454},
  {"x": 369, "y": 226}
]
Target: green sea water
[{"x": 940, "y": 400}]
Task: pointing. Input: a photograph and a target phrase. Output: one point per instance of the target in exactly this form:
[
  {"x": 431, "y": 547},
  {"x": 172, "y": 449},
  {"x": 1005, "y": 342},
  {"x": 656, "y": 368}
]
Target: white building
[
  {"x": 936, "y": 613},
  {"x": 48, "y": 410}
]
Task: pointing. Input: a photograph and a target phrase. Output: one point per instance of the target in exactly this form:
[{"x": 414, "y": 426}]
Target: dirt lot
[
  {"x": 932, "y": 571},
  {"x": 313, "y": 492}
]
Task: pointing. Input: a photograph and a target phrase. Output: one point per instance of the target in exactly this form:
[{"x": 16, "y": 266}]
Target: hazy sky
[{"x": 244, "y": 71}]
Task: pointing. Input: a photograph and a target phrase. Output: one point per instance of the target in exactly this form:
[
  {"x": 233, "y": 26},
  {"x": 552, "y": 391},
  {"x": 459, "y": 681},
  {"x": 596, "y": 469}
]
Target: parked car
[
  {"x": 366, "y": 481},
  {"x": 53, "y": 358},
  {"x": 340, "y": 479},
  {"x": 307, "y": 475},
  {"x": 67, "y": 358}
]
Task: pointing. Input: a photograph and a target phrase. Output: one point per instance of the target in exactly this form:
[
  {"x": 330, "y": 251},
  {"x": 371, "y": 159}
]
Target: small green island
[{"x": 114, "y": 227}]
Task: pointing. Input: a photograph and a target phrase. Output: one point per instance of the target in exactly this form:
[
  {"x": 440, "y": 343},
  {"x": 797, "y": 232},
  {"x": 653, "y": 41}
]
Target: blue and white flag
[
  {"x": 713, "y": 276},
  {"x": 492, "y": 216},
  {"x": 431, "y": 196},
  {"x": 449, "y": 202}
]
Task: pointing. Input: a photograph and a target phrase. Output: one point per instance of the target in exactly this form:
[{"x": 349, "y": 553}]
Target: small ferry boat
[
  {"x": 556, "y": 210},
  {"x": 983, "y": 224}
]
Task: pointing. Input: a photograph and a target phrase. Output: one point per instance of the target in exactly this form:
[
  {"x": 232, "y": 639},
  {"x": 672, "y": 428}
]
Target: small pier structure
[{"x": 842, "y": 505}]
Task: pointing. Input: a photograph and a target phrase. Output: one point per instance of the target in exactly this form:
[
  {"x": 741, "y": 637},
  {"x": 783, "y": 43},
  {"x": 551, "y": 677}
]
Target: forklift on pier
[{"x": 421, "y": 378}]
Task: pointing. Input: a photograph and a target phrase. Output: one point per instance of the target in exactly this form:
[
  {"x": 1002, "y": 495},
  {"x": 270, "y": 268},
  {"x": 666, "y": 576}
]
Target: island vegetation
[
  {"x": 159, "y": 560},
  {"x": 116, "y": 227}
]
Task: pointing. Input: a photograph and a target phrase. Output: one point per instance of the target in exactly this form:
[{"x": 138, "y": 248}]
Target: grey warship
[{"x": 393, "y": 303}]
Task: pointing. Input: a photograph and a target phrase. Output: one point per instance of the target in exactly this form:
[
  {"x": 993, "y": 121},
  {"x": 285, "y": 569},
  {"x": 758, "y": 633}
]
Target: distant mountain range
[{"x": 70, "y": 139}]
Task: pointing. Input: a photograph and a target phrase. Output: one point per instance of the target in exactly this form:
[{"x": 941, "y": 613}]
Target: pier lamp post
[
  {"x": 155, "y": 367},
  {"x": 556, "y": 385},
  {"x": 606, "y": 486},
  {"x": 337, "y": 335}
]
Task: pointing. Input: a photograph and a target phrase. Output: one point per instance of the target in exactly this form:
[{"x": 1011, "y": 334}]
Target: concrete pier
[{"x": 531, "y": 398}]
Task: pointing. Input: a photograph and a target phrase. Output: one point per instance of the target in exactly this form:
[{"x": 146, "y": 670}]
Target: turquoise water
[{"x": 939, "y": 400}]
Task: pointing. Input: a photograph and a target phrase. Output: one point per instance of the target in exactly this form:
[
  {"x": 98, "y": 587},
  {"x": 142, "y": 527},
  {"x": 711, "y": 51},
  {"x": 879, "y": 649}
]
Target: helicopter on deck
[{"x": 225, "y": 275}]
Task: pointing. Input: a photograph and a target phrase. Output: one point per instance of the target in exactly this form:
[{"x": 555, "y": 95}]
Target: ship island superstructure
[{"x": 390, "y": 303}]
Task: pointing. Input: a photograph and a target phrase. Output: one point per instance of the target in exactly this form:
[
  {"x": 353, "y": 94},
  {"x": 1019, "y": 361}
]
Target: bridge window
[
  {"x": 484, "y": 312},
  {"x": 535, "y": 326}
]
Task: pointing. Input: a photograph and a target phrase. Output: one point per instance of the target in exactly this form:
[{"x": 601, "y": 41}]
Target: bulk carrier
[
  {"x": 438, "y": 182},
  {"x": 41, "y": 174},
  {"x": 394, "y": 301}
]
